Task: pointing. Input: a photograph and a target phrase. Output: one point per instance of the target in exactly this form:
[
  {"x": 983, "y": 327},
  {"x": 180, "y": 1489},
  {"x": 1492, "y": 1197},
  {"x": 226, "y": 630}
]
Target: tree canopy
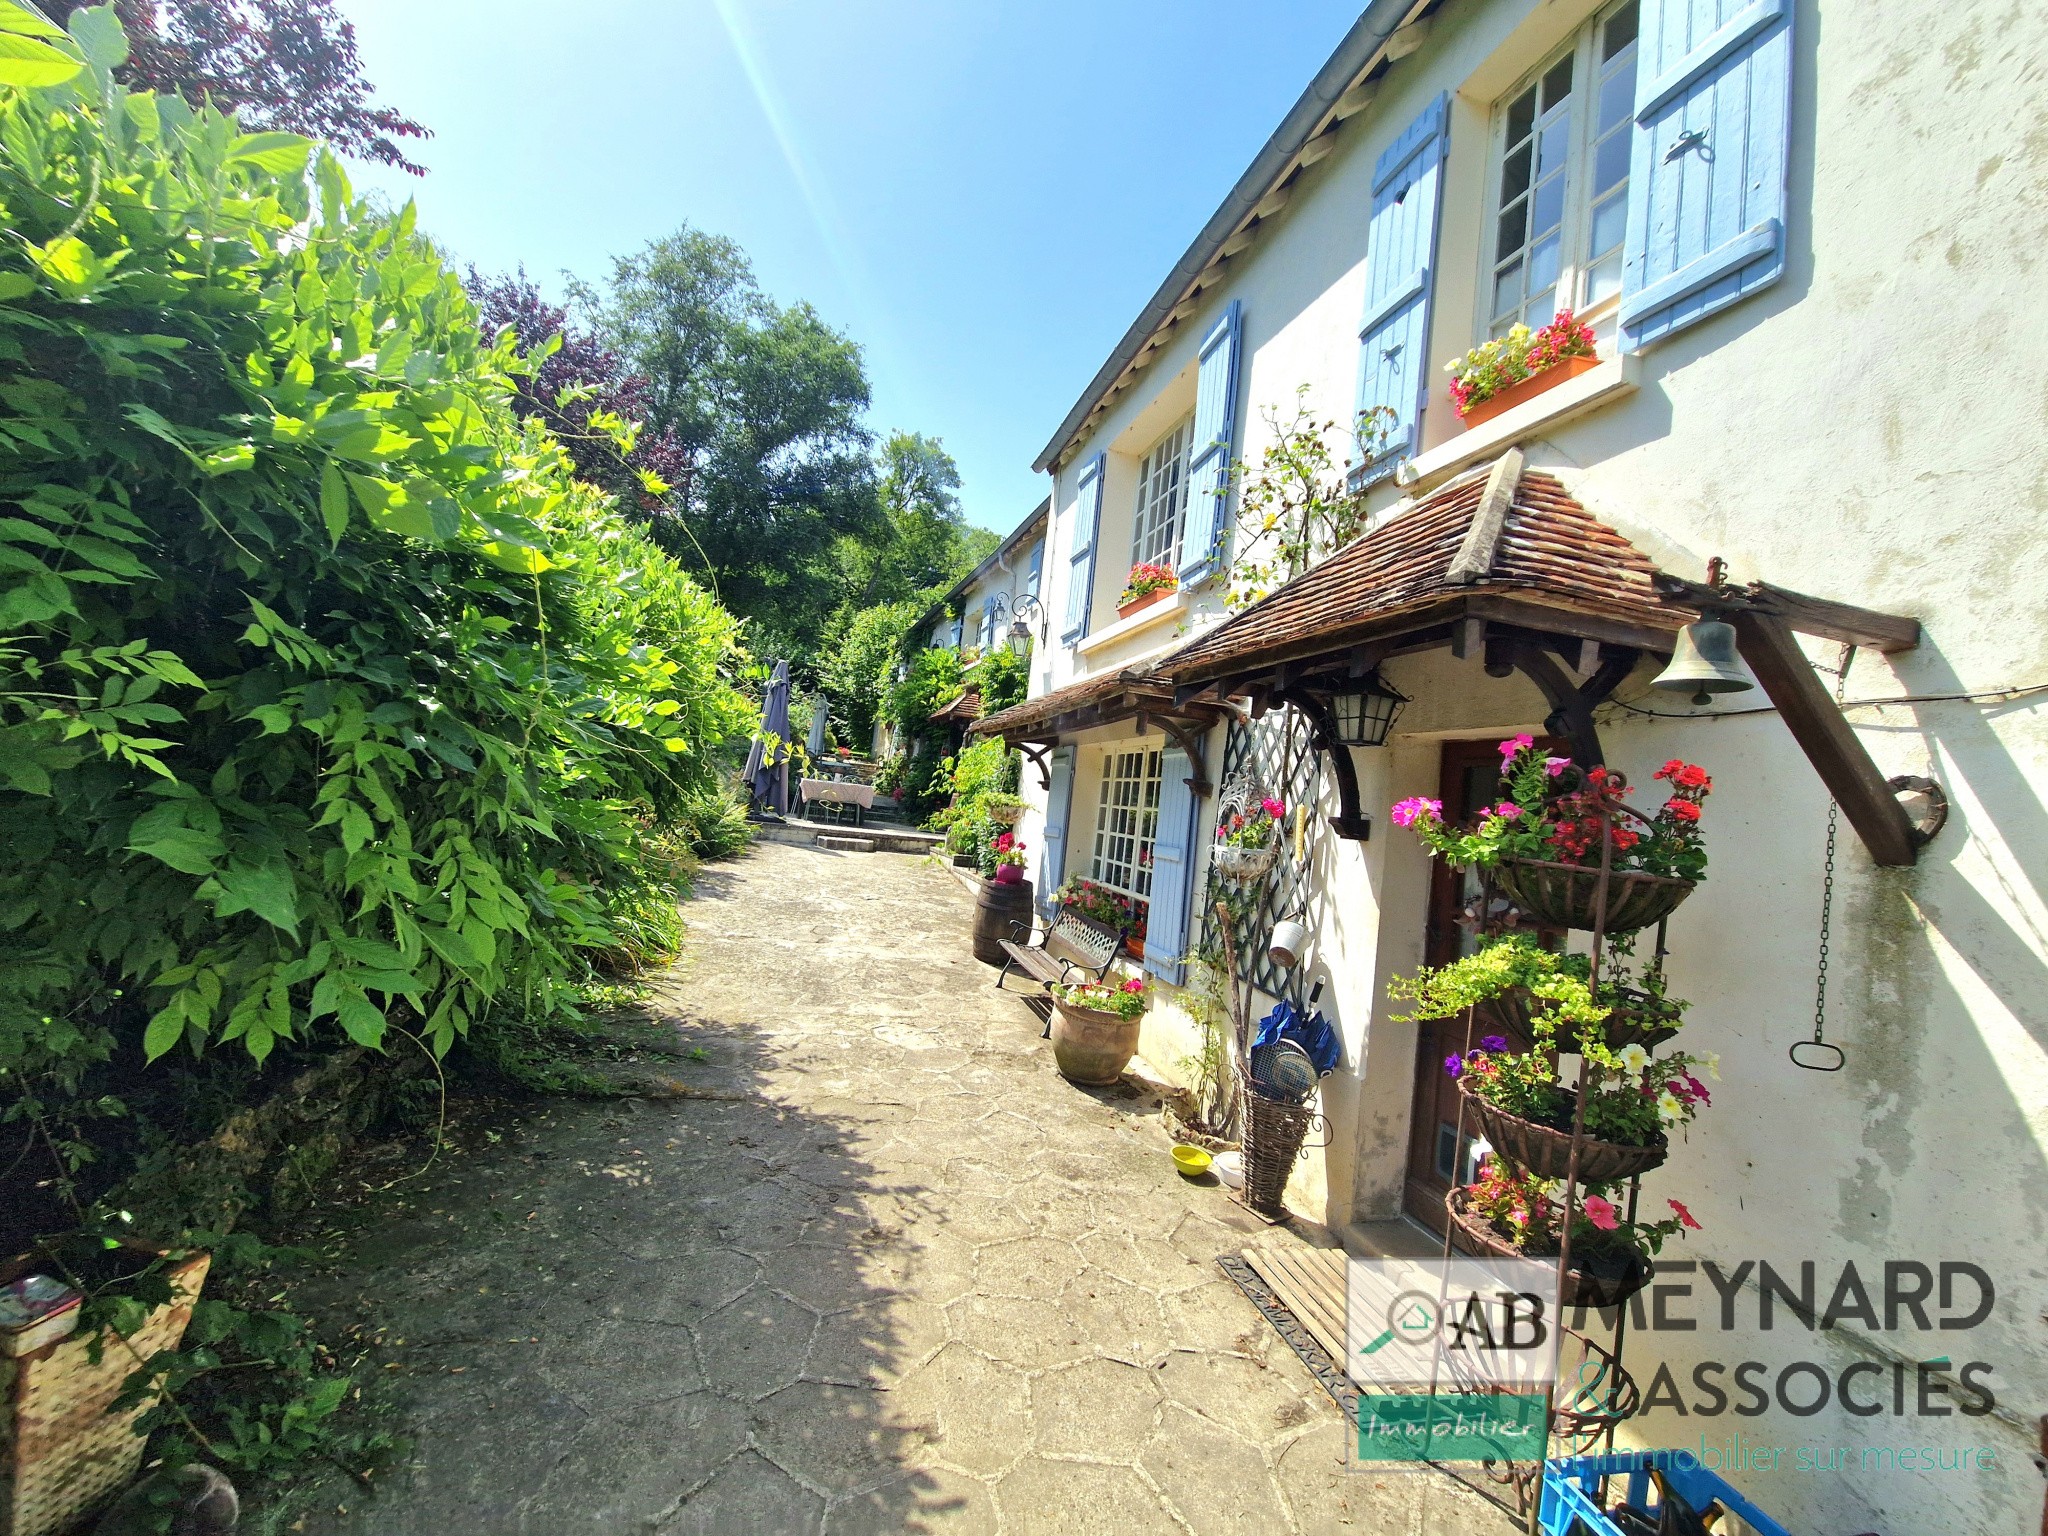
[{"x": 280, "y": 64}]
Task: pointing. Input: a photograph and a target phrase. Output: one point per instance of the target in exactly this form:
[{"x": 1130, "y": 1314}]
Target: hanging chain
[{"x": 1819, "y": 1042}]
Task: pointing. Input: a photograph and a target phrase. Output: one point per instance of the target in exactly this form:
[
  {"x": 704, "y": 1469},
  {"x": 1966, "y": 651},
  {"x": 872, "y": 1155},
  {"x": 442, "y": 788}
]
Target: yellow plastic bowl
[{"x": 1192, "y": 1161}]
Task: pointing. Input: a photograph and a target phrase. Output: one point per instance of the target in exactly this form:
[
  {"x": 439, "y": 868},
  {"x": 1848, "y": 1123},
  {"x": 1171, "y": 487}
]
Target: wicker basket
[
  {"x": 1582, "y": 1287},
  {"x": 64, "y": 1453},
  {"x": 1244, "y": 865},
  {"x": 1547, "y": 1153},
  {"x": 1273, "y": 1135},
  {"x": 1563, "y": 895},
  {"x": 1633, "y": 1020},
  {"x": 1004, "y": 815}
]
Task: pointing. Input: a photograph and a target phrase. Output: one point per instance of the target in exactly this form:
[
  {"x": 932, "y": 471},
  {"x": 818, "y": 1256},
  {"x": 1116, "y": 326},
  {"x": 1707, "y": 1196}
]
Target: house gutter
[{"x": 1361, "y": 47}]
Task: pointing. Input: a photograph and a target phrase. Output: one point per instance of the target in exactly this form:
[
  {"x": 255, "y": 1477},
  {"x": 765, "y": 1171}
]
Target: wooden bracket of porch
[
  {"x": 1824, "y": 734},
  {"x": 1572, "y": 705},
  {"x": 1041, "y": 759},
  {"x": 1190, "y": 742}
]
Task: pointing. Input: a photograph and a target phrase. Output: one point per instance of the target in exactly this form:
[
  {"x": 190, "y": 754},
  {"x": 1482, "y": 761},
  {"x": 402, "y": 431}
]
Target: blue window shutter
[
  {"x": 1210, "y": 453},
  {"x": 1081, "y": 558},
  {"x": 1037, "y": 564},
  {"x": 1706, "y": 213},
  {"x": 1173, "y": 855},
  {"x": 1059, "y": 801},
  {"x": 1400, "y": 257}
]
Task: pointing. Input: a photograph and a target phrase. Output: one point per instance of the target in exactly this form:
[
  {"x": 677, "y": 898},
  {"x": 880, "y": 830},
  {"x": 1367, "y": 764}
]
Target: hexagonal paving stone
[
  {"x": 1096, "y": 1408},
  {"x": 1215, "y": 1316},
  {"x": 607, "y": 1365},
  {"x": 755, "y": 1346},
  {"x": 1038, "y": 1267},
  {"x": 1151, "y": 1262},
  {"x": 749, "y": 1493},
  {"x": 835, "y": 1438},
  {"x": 1122, "y": 1320},
  {"x": 1259, "y": 1402},
  {"x": 877, "y": 1343},
  {"x": 931, "y": 1499},
  {"x": 1027, "y": 1333},
  {"x": 1218, "y": 1484},
  {"x": 977, "y": 1410},
  {"x": 623, "y": 1470},
  {"x": 1078, "y": 1498}
]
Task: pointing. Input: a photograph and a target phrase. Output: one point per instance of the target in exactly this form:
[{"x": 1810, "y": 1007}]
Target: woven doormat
[{"x": 1300, "y": 1291}]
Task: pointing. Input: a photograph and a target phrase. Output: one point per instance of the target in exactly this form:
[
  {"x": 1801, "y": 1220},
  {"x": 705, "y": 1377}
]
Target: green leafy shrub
[
  {"x": 330, "y": 704},
  {"x": 715, "y": 821},
  {"x": 1003, "y": 678}
]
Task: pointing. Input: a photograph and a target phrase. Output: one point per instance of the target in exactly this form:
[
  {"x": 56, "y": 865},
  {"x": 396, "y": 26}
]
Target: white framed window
[
  {"x": 1560, "y": 182},
  {"x": 1162, "y": 498},
  {"x": 1126, "y": 822}
]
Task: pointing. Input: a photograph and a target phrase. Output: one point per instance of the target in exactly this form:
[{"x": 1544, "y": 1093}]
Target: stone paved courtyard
[{"x": 859, "y": 1261}]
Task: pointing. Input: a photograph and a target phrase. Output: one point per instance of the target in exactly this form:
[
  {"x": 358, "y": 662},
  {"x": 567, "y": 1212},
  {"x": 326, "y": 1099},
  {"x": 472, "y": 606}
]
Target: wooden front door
[{"x": 1438, "y": 1157}]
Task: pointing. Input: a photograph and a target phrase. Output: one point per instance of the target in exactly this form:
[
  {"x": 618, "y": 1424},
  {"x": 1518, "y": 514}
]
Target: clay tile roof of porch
[
  {"x": 1551, "y": 551},
  {"x": 964, "y": 709},
  {"x": 1125, "y": 691}
]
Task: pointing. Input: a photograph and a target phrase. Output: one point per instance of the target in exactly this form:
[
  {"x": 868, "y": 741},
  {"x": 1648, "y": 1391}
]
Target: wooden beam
[
  {"x": 1840, "y": 622},
  {"x": 1275, "y": 200},
  {"x": 1317, "y": 148},
  {"x": 1817, "y": 724},
  {"x": 1409, "y": 38},
  {"x": 1474, "y": 559},
  {"x": 1468, "y": 638},
  {"x": 1355, "y": 100}
]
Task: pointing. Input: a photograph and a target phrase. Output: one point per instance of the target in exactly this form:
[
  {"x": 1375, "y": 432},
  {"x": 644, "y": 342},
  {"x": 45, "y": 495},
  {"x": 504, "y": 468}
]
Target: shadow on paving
[
  {"x": 597, "y": 1327},
  {"x": 858, "y": 1261}
]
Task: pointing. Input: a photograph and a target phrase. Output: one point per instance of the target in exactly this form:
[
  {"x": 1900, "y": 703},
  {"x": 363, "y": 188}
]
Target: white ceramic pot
[{"x": 1290, "y": 939}]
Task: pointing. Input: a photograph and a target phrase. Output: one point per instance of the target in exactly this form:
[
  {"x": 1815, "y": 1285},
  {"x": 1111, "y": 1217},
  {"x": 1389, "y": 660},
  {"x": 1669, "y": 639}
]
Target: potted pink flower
[
  {"x": 1095, "y": 1028},
  {"x": 1146, "y": 585},
  {"x": 1248, "y": 842},
  {"x": 1009, "y": 858},
  {"x": 1519, "y": 366}
]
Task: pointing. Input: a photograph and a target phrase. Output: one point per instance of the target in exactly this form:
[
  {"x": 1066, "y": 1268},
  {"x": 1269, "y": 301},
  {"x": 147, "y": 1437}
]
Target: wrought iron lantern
[
  {"x": 1365, "y": 717},
  {"x": 1027, "y": 623}
]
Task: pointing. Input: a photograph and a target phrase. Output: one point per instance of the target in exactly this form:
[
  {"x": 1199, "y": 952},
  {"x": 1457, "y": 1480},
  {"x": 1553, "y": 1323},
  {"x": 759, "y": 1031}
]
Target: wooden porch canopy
[
  {"x": 964, "y": 710},
  {"x": 1504, "y": 564},
  {"x": 1131, "y": 693}
]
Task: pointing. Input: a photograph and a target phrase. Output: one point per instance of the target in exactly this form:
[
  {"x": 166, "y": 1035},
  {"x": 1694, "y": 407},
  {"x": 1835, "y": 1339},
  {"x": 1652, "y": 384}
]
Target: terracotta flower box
[
  {"x": 1528, "y": 389},
  {"x": 1140, "y": 604}
]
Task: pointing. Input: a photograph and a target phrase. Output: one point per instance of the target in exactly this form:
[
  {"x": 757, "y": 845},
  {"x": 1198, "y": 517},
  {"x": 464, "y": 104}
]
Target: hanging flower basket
[
  {"x": 1635, "y": 1019},
  {"x": 1547, "y": 1152},
  {"x": 1244, "y": 865},
  {"x": 1603, "y": 1280},
  {"x": 1003, "y": 815},
  {"x": 1564, "y": 895}
]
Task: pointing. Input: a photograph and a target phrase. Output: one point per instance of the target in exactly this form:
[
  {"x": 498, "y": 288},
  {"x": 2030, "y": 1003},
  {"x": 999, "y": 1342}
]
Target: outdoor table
[{"x": 839, "y": 792}]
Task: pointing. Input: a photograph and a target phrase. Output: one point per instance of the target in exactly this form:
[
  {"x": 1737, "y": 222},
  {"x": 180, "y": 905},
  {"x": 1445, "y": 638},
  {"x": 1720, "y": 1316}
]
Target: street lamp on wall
[
  {"x": 1027, "y": 621},
  {"x": 1364, "y": 718}
]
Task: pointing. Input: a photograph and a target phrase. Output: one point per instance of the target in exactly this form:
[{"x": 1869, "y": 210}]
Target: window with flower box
[
  {"x": 1162, "y": 498},
  {"x": 1560, "y": 182},
  {"x": 1126, "y": 822}
]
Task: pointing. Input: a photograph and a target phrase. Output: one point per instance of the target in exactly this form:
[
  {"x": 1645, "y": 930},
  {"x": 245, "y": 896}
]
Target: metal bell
[{"x": 1705, "y": 662}]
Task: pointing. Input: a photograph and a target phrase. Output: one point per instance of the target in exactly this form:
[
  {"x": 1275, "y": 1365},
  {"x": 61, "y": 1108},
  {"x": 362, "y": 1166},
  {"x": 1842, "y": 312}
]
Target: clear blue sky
[{"x": 981, "y": 194}]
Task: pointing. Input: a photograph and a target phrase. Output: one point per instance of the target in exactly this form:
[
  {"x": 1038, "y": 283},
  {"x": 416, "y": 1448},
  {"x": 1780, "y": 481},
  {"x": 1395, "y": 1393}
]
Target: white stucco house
[{"x": 1806, "y": 234}]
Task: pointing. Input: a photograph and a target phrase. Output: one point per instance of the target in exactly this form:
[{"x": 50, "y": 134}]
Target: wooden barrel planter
[
  {"x": 1546, "y": 1152},
  {"x": 998, "y": 909},
  {"x": 1602, "y": 1280},
  {"x": 1092, "y": 1046},
  {"x": 1563, "y": 895},
  {"x": 1633, "y": 1018}
]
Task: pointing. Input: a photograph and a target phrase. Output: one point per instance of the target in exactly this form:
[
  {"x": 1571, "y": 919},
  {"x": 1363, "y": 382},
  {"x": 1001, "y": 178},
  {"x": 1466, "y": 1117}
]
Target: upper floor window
[
  {"x": 1561, "y": 184},
  {"x": 1162, "y": 498}
]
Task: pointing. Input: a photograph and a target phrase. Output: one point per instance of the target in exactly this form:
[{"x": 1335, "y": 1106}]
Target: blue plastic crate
[{"x": 1571, "y": 1484}]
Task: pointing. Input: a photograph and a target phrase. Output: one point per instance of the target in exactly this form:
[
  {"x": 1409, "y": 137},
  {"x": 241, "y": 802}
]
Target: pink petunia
[
  {"x": 1415, "y": 808},
  {"x": 1556, "y": 765},
  {"x": 1507, "y": 810},
  {"x": 1515, "y": 744},
  {"x": 1685, "y": 1218},
  {"x": 1601, "y": 1213}
]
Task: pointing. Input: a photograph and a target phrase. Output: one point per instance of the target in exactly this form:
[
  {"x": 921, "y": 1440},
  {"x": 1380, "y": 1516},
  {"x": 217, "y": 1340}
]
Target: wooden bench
[{"x": 1071, "y": 948}]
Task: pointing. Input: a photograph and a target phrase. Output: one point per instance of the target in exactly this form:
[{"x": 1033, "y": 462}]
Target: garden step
[{"x": 846, "y": 844}]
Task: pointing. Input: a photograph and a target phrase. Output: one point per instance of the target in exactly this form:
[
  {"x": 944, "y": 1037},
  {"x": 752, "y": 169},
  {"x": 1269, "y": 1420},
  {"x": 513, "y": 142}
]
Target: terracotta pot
[
  {"x": 1563, "y": 895},
  {"x": 1607, "y": 1282},
  {"x": 1125, "y": 610},
  {"x": 1546, "y": 1152},
  {"x": 1092, "y": 1046},
  {"x": 1528, "y": 389}
]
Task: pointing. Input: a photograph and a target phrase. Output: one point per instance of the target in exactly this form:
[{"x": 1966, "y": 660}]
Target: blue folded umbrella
[{"x": 1313, "y": 1034}]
